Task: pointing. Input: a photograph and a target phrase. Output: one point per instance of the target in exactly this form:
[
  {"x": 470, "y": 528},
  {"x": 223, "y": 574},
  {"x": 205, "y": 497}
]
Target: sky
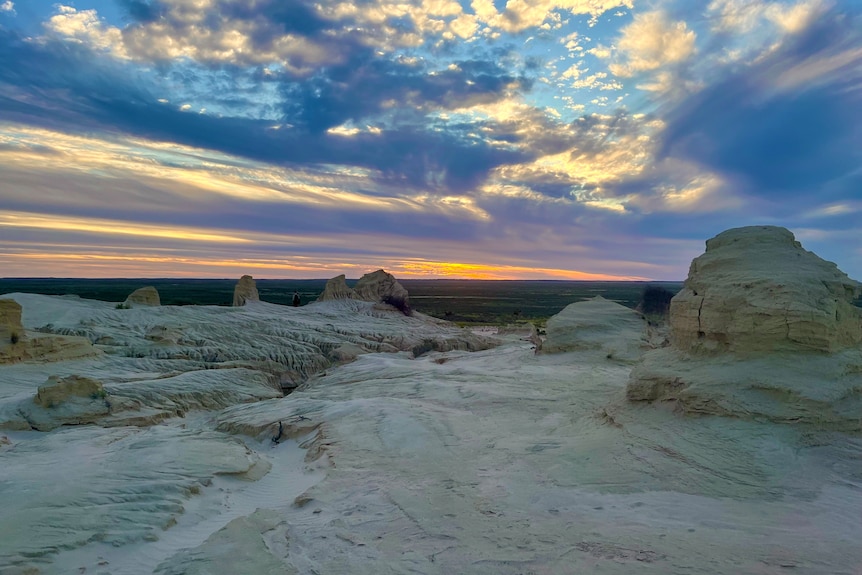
[{"x": 495, "y": 139}]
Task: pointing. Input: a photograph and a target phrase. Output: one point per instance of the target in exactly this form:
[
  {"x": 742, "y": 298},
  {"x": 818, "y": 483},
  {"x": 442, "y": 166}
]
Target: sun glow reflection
[{"x": 426, "y": 269}]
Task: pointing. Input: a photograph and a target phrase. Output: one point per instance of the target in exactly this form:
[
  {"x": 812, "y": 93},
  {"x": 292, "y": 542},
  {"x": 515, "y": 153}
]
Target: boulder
[
  {"x": 72, "y": 400},
  {"x": 145, "y": 296},
  {"x": 382, "y": 287},
  {"x": 761, "y": 329},
  {"x": 245, "y": 291},
  {"x": 60, "y": 390},
  {"x": 336, "y": 289},
  {"x": 756, "y": 290},
  {"x": 616, "y": 331}
]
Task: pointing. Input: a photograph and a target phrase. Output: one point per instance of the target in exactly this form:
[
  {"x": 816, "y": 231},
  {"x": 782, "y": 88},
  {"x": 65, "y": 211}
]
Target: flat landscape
[{"x": 462, "y": 301}]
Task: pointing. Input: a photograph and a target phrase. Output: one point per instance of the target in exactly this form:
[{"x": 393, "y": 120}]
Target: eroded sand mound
[
  {"x": 598, "y": 324},
  {"x": 762, "y": 328}
]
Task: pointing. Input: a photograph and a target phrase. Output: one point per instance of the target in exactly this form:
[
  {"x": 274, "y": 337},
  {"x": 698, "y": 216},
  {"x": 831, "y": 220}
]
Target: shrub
[
  {"x": 655, "y": 300},
  {"x": 400, "y": 303}
]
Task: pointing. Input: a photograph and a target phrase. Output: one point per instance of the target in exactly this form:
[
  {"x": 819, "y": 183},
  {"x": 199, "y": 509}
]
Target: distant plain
[{"x": 462, "y": 301}]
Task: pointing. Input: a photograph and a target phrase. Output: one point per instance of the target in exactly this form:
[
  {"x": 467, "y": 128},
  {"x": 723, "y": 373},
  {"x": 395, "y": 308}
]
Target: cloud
[
  {"x": 520, "y": 15},
  {"x": 7, "y": 6},
  {"x": 786, "y": 127},
  {"x": 61, "y": 85},
  {"x": 85, "y": 27},
  {"x": 743, "y": 16},
  {"x": 651, "y": 42}
]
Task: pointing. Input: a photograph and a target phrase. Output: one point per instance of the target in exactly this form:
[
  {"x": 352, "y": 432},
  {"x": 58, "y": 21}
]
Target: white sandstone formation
[
  {"x": 245, "y": 291},
  {"x": 336, "y": 289},
  {"x": 599, "y": 324},
  {"x": 146, "y": 296},
  {"x": 762, "y": 328},
  {"x": 757, "y": 290}
]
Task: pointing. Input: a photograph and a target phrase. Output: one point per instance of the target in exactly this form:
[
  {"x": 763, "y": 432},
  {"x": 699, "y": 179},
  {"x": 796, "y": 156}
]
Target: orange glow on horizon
[
  {"x": 119, "y": 265},
  {"x": 455, "y": 270}
]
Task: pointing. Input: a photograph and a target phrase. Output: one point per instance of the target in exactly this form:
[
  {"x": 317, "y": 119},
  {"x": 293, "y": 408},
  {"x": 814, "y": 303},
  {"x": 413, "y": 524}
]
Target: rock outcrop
[
  {"x": 145, "y": 296},
  {"x": 597, "y": 324},
  {"x": 72, "y": 400},
  {"x": 757, "y": 290},
  {"x": 336, "y": 289},
  {"x": 11, "y": 330},
  {"x": 762, "y": 328},
  {"x": 245, "y": 291},
  {"x": 378, "y": 287},
  {"x": 17, "y": 344},
  {"x": 382, "y": 287}
]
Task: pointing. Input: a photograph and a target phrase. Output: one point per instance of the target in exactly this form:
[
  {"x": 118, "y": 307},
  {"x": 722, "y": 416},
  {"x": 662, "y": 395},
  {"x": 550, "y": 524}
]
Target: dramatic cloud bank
[{"x": 559, "y": 139}]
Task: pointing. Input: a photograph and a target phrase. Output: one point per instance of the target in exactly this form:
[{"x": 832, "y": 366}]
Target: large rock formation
[
  {"x": 762, "y": 328},
  {"x": 377, "y": 287},
  {"x": 245, "y": 291},
  {"x": 145, "y": 296},
  {"x": 336, "y": 289},
  {"x": 597, "y": 324},
  {"x": 382, "y": 287},
  {"x": 757, "y": 290}
]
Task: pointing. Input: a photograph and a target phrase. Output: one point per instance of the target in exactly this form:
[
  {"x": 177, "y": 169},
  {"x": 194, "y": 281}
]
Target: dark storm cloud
[
  {"x": 788, "y": 125},
  {"x": 143, "y": 11},
  {"x": 366, "y": 86},
  {"x": 62, "y": 85},
  {"x": 274, "y": 18}
]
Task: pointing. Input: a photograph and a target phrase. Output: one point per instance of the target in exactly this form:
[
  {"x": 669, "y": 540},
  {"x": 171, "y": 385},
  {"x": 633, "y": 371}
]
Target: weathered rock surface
[
  {"x": 382, "y": 287},
  {"x": 72, "y": 400},
  {"x": 245, "y": 545},
  {"x": 336, "y": 289},
  {"x": 245, "y": 291},
  {"x": 146, "y": 296},
  {"x": 757, "y": 290},
  {"x": 58, "y": 391},
  {"x": 762, "y": 328},
  {"x": 79, "y": 485},
  {"x": 599, "y": 324},
  {"x": 477, "y": 463}
]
